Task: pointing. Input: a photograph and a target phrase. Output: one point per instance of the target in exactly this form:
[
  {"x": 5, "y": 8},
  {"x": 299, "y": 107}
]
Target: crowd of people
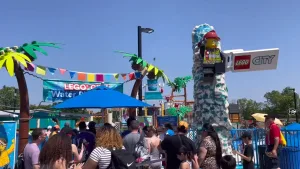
[{"x": 106, "y": 148}]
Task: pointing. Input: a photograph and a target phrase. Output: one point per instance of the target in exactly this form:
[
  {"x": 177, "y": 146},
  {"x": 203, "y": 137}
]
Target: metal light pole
[
  {"x": 295, "y": 103},
  {"x": 140, "y": 31}
]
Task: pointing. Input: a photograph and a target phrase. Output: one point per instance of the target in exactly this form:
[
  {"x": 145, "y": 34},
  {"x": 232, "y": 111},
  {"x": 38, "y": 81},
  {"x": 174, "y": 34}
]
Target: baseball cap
[
  {"x": 49, "y": 127},
  {"x": 246, "y": 134},
  {"x": 170, "y": 132},
  {"x": 183, "y": 123}
]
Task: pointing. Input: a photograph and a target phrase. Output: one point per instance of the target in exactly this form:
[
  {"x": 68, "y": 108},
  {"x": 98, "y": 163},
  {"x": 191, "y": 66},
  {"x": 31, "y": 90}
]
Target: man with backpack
[
  {"x": 131, "y": 139},
  {"x": 272, "y": 142},
  {"x": 134, "y": 142}
]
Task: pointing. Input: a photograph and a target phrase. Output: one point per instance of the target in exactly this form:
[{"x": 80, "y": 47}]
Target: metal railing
[{"x": 258, "y": 138}]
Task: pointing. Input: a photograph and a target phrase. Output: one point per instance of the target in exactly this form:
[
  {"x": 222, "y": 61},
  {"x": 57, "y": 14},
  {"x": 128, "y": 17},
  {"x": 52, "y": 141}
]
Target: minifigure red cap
[{"x": 211, "y": 35}]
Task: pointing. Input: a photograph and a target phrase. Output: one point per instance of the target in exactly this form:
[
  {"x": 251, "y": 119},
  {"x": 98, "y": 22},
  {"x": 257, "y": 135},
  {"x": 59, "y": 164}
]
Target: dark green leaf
[
  {"x": 144, "y": 64},
  {"x": 139, "y": 60},
  {"x": 129, "y": 55},
  {"x": 39, "y": 49},
  {"x": 27, "y": 48},
  {"x": 47, "y": 45}
]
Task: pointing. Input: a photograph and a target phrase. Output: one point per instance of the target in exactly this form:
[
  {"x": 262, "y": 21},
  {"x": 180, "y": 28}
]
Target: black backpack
[
  {"x": 20, "y": 162},
  {"x": 121, "y": 159}
]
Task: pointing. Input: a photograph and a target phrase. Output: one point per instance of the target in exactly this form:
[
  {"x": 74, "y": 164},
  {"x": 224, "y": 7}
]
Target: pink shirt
[{"x": 31, "y": 155}]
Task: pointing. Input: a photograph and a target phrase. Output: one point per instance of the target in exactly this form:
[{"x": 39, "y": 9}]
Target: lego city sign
[{"x": 244, "y": 61}]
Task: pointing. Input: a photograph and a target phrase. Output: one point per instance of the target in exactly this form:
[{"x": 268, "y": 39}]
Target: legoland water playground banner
[
  {"x": 7, "y": 144},
  {"x": 61, "y": 90}
]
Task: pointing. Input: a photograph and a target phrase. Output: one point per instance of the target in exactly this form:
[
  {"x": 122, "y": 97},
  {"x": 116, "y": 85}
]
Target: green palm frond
[
  {"x": 10, "y": 55},
  {"x": 181, "y": 111},
  {"x": 180, "y": 82},
  {"x": 172, "y": 111},
  {"x": 119, "y": 51},
  {"x": 31, "y": 48},
  {"x": 137, "y": 60}
]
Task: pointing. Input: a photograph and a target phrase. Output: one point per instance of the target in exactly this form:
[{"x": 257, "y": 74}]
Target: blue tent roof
[
  {"x": 293, "y": 126},
  {"x": 102, "y": 97}
]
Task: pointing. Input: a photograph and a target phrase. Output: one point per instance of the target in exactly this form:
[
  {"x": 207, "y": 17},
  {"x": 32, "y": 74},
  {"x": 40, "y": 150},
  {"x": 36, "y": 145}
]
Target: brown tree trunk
[
  {"x": 135, "y": 90},
  {"x": 24, "y": 109}
]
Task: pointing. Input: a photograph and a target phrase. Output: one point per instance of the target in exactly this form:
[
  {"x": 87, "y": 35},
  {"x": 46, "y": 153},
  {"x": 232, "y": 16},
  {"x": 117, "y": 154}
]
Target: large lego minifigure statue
[{"x": 210, "y": 91}]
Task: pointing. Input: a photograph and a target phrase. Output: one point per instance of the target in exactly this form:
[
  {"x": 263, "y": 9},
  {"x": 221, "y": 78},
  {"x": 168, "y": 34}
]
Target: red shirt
[{"x": 274, "y": 131}]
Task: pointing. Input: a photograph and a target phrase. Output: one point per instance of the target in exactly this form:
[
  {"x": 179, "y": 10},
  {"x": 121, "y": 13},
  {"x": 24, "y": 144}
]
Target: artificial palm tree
[
  {"x": 145, "y": 69},
  {"x": 180, "y": 112},
  {"x": 14, "y": 59},
  {"x": 179, "y": 83}
]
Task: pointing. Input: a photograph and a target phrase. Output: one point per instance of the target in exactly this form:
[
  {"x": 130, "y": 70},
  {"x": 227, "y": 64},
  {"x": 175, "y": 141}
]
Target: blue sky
[{"x": 93, "y": 29}]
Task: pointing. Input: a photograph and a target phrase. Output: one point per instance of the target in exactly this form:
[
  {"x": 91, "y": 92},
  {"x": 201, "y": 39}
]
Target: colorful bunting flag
[
  {"x": 84, "y": 76},
  {"x": 51, "y": 70},
  {"x": 81, "y": 76},
  {"x": 91, "y": 77},
  {"x": 131, "y": 76},
  {"x": 41, "y": 70},
  {"x": 116, "y": 76},
  {"x": 30, "y": 67},
  {"x": 62, "y": 71},
  {"x": 137, "y": 75},
  {"x": 72, "y": 74},
  {"x": 99, "y": 78},
  {"x": 107, "y": 77},
  {"x": 124, "y": 76}
]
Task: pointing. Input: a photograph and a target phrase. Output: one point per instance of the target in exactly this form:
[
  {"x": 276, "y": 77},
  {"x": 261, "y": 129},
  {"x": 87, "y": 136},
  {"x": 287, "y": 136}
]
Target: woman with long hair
[
  {"x": 210, "y": 148},
  {"x": 57, "y": 153},
  {"x": 77, "y": 157},
  {"x": 107, "y": 137}
]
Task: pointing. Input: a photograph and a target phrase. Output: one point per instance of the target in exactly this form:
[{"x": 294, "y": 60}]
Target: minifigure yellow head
[
  {"x": 3, "y": 144},
  {"x": 212, "y": 40},
  {"x": 211, "y": 43}
]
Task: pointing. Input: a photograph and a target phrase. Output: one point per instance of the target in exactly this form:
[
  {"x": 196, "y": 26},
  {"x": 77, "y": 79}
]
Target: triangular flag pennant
[
  {"x": 72, "y": 74},
  {"x": 62, "y": 71},
  {"x": 41, "y": 70},
  {"x": 51, "y": 70},
  {"x": 155, "y": 70},
  {"x": 81, "y": 76},
  {"x": 124, "y": 76},
  {"x": 30, "y": 67},
  {"x": 131, "y": 76},
  {"x": 116, "y": 76},
  {"x": 91, "y": 77},
  {"x": 107, "y": 77},
  {"x": 150, "y": 67},
  {"x": 137, "y": 75}
]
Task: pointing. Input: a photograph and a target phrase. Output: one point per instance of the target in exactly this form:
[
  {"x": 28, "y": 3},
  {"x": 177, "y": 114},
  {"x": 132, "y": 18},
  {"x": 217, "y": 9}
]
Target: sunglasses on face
[{"x": 3, "y": 144}]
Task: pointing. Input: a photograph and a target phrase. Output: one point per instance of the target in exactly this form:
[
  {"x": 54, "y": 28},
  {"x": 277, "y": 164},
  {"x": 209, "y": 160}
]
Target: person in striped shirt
[{"x": 107, "y": 138}]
